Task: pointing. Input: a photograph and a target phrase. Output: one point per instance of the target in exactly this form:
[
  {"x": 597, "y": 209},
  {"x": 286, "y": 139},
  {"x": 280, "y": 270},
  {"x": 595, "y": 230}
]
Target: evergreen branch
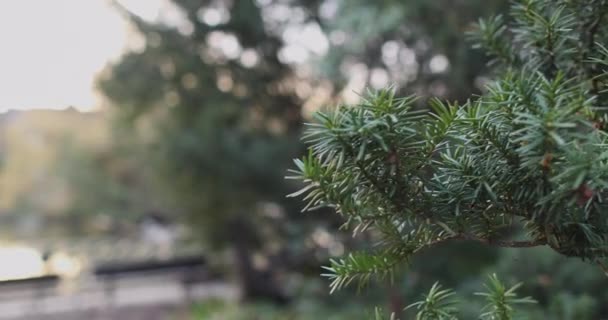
[
  {"x": 360, "y": 267},
  {"x": 533, "y": 146},
  {"x": 486, "y": 241},
  {"x": 590, "y": 30}
]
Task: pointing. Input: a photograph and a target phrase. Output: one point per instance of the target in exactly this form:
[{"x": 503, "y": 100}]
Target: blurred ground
[
  {"x": 162, "y": 312},
  {"x": 157, "y": 298}
]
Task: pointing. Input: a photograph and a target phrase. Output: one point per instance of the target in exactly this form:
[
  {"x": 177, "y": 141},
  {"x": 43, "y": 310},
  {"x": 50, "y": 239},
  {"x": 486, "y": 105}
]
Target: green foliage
[
  {"x": 500, "y": 300},
  {"x": 361, "y": 267},
  {"x": 440, "y": 304},
  {"x": 379, "y": 315},
  {"x": 437, "y": 304},
  {"x": 528, "y": 155},
  {"x": 304, "y": 310}
]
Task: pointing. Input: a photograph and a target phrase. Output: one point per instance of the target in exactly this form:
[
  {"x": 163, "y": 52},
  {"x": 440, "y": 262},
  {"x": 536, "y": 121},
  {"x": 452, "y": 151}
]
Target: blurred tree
[
  {"x": 117, "y": 187},
  {"x": 29, "y": 139},
  {"x": 219, "y": 112},
  {"x": 567, "y": 288},
  {"x": 62, "y": 169},
  {"x": 416, "y": 45}
]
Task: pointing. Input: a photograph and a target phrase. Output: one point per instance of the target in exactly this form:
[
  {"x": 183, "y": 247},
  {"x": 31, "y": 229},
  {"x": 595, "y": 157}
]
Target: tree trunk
[{"x": 255, "y": 284}]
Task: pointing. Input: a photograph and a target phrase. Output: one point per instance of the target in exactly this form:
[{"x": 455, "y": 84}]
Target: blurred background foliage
[
  {"x": 202, "y": 120},
  {"x": 416, "y": 45}
]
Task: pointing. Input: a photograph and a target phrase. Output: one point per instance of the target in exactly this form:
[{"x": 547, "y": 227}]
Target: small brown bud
[
  {"x": 392, "y": 157},
  {"x": 584, "y": 194},
  {"x": 598, "y": 125},
  {"x": 546, "y": 161}
]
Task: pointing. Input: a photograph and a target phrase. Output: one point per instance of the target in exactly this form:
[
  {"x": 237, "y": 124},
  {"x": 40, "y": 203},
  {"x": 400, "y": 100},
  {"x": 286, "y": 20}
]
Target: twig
[
  {"x": 495, "y": 243},
  {"x": 604, "y": 267}
]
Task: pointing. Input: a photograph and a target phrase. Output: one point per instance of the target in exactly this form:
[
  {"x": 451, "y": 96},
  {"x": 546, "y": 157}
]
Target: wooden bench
[{"x": 188, "y": 271}]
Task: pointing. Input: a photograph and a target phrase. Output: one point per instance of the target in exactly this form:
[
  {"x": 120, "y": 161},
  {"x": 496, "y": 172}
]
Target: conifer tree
[{"x": 524, "y": 165}]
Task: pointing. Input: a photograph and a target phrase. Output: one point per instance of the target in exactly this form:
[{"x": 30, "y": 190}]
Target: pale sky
[{"x": 51, "y": 50}]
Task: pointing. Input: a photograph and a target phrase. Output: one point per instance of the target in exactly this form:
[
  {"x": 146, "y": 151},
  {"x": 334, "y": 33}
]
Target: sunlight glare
[{"x": 20, "y": 262}]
